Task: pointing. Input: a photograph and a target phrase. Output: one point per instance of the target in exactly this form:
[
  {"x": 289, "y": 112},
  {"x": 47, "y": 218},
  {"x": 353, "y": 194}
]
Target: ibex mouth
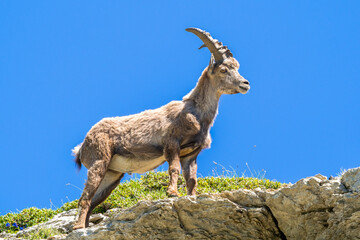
[{"x": 244, "y": 89}]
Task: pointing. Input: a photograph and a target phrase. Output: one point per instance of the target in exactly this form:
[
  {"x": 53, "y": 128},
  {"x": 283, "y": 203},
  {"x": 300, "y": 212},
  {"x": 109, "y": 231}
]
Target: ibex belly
[{"x": 130, "y": 165}]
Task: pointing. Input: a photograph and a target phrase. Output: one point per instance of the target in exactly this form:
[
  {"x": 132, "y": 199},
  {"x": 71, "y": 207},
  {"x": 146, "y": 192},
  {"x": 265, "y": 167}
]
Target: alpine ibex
[{"x": 175, "y": 133}]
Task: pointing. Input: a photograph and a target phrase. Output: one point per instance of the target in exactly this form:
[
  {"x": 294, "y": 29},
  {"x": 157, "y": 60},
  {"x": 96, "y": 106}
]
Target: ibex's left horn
[{"x": 219, "y": 51}]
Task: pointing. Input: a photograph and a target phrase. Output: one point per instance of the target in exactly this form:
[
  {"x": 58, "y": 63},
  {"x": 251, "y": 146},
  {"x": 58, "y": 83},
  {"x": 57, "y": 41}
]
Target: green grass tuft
[{"x": 151, "y": 186}]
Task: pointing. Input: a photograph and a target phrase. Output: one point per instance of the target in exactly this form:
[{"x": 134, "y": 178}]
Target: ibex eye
[{"x": 223, "y": 70}]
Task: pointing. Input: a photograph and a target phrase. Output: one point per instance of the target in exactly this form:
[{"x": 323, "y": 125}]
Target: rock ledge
[{"x": 313, "y": 208}]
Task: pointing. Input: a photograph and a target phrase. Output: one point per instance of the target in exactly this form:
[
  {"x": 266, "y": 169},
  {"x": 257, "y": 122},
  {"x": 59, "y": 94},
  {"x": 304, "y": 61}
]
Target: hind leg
[
  {"x": 96, "y": 173},
  {"x": 108, "y": 184}
]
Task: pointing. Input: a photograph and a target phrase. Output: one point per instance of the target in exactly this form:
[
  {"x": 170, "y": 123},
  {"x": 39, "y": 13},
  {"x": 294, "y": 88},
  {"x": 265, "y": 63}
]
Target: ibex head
[{"x": 223, "y": 68}]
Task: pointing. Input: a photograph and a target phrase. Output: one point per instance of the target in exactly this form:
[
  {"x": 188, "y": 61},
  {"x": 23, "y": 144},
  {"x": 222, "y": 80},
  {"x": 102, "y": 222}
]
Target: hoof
[
  {"x": 172, "y": 194},
  {"x": 78, "y": 226}
]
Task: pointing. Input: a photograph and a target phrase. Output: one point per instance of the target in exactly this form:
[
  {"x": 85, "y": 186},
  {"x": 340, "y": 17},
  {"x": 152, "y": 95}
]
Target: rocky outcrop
[
  {"x": 317, "y": 208},
  {"x": 313, "y": 208},
  {"x": 204, "y": 216}
]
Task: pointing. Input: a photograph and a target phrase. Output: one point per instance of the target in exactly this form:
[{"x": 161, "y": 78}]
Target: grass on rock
[
  {"x": 42, "y": 233},
  {"x": 151, "y": 186}
]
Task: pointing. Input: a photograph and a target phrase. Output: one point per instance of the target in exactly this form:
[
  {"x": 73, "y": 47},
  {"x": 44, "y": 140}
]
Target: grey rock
[
  {"x": 313, "y": 208},
  {"x": 316, "y": 208},
  {"x": 351, "y": 179},
  {"x": 207, "y": 216},
  {"x": 62, "y": 222}
]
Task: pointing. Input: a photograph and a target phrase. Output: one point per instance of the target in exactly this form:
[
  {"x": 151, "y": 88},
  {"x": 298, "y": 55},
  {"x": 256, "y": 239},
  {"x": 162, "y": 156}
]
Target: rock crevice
[{"x": 282, "y": 235}]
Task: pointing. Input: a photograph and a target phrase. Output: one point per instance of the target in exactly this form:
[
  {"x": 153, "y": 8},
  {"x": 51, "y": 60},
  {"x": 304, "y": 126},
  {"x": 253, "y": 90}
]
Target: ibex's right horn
[{"x": 219, "y": 51}]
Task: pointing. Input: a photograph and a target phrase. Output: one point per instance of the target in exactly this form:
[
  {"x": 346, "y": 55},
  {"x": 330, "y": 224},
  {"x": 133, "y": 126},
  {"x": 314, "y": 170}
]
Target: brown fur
[{"x": 175, "y": 133}]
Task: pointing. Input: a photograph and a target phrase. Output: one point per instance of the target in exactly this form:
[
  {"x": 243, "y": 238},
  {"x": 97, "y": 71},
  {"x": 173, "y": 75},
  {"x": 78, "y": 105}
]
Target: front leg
[
  {"x": 172, "y": 156},
  {"x": 189, "y": 168}
]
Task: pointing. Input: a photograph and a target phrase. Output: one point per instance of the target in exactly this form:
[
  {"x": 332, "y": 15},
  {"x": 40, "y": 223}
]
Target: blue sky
[{"x": 65, "y": 65}]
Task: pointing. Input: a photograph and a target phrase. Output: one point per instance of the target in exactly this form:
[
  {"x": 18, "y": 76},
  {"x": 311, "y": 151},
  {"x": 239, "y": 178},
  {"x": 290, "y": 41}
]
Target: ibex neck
[{"x": 205, "y": 99}]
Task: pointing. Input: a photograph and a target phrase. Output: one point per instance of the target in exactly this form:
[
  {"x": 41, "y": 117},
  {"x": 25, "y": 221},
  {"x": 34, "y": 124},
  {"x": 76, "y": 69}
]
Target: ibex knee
[{"x": 174, "y": 171}]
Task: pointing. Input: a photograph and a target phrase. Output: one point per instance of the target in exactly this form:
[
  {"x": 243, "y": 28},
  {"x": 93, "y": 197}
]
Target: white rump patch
[{"x": 75, "y": 150}]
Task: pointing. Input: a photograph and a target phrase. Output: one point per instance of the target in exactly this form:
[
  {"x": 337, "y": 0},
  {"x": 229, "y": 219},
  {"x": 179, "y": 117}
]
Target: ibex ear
[{"x": 212, "y": 63}]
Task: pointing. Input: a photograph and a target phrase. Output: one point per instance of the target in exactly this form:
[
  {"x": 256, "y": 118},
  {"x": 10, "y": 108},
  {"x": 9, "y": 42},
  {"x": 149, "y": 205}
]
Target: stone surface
[
  {"x": 208, "y": 216},
  {"x": 316, "y": 208},
  {"x": 351, "y": 179},
  {"x": 63, "y": 222},
  {"x": 313, "y": 208}
]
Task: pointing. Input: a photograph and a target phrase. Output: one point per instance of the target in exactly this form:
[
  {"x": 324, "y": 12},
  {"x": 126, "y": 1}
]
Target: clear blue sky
[{"x": 64, "y": 65}]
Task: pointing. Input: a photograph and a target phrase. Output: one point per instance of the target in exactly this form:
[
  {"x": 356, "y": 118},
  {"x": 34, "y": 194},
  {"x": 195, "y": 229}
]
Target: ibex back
[{"x": 175, "y": 133}]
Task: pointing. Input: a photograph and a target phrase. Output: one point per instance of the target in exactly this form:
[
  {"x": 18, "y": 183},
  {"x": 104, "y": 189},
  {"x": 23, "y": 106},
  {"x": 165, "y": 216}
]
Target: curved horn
[{"x": 219, "y": 51}]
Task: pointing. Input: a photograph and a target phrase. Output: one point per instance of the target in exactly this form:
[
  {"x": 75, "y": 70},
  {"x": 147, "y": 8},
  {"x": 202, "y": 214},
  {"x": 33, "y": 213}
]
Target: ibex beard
[{"x": 176, "y": 132}]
